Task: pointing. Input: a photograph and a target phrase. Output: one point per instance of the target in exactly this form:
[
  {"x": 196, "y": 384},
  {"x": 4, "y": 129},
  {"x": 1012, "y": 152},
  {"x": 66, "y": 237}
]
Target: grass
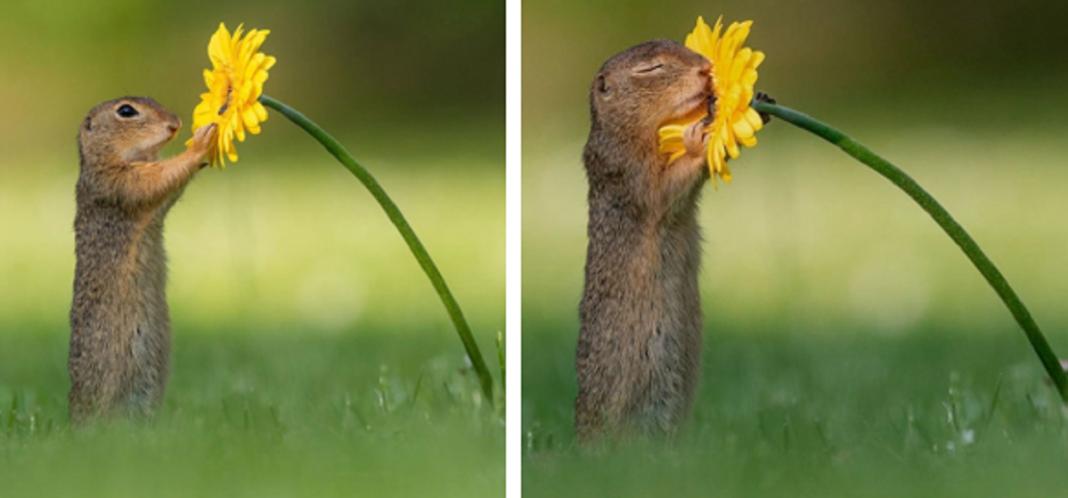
[
  {"x": 261, "y": 415},
  {"x": 933, "y": 414},
  {"x": 311, "y": 356}
]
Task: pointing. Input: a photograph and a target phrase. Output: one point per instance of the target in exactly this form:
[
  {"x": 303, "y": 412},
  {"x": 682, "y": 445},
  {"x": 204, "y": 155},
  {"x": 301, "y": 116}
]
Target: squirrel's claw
[
  {"x": 695, "y": 139},
  {"x": 208, "y": 129},
  {"x": 204, "y": 136},
  {"x": 203, "y": 142}
]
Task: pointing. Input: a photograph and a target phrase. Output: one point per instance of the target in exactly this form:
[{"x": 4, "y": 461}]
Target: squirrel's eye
[
  {"x": 602, "y": 85},
  {"x": 127, "y": 111},
  {"x": 649, "y": 69}
]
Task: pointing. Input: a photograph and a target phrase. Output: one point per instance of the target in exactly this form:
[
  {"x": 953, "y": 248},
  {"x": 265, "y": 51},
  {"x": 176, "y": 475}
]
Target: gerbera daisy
[{"x": 235, "y": 84}]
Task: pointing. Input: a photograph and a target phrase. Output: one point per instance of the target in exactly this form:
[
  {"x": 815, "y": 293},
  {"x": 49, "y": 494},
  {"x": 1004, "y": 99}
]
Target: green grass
[
  {"x": 260, "y": 415},
  {"x": 784, "y": 414}
]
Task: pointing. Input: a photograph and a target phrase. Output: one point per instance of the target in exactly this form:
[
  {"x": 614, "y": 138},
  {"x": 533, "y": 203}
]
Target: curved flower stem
[
  {"x": 945, "y": 220},
  {"x": 394, "y": 214}
]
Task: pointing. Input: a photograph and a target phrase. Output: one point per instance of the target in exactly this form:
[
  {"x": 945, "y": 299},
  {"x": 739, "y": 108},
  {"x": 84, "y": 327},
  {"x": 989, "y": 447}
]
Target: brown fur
[
  {"x": 120, "y": 324},
  {"x": 639, "y": 348}
]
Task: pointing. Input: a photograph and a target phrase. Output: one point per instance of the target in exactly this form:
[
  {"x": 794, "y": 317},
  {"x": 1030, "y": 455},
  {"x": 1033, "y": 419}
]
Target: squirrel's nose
[{"x": 705, "y": 65}]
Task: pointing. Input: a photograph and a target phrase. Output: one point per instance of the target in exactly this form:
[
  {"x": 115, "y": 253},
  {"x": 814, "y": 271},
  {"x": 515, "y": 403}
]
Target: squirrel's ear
[
  {"x": 602, "y": 84},
  {"x": 88, "y": 123}
]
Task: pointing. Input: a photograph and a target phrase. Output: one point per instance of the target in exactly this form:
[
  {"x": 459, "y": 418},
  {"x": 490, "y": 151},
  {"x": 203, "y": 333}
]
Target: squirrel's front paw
[
  {"x": 695, "y": 139},
  {"x": 203, "y": 138}
]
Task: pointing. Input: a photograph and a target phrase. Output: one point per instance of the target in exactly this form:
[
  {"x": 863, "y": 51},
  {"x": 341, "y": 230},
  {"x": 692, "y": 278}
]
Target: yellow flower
[
  {"x": 734, "y": 72},
  {"x": 235, "y": 84}
]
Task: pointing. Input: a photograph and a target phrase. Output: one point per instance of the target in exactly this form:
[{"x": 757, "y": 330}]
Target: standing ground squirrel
[
  {"x": 639, "y": 347},
  {"x": 120, "y": 326}
]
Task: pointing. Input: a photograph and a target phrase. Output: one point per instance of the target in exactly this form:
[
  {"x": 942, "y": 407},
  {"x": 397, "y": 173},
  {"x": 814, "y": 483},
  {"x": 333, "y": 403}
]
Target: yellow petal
[
  {"x": 672, "y": 131},
  {"x": 236, "y": 125},
  {"x": 749, "y": 79},
  {"x": 242, "y": 92},
  {"x": 742, "y": 128},
  {"x": 235, "y": 40},
  {"x": 253, "y": 66},
  {"x": 734, "y": 36},
  {"x": 758, "y": 57},
  {"x": 261, "y": 112},
  {"x": 676, "y": 155},
  {"x": 732, "y": 148},
  {"x": 256, "y": 38},
  {"x": 721, "y": 152},
  {"x": 702, "y": 39},
  {"x": 740, "y": 62},
  {"x": 219, "y": 47},
  {"x": 251, "y": 120},
  {"x": 671, "y": 147},
  {"x": 754, "y": 118}
]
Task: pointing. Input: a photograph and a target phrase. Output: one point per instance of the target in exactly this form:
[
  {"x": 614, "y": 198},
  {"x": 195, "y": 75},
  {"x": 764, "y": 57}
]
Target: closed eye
[{"x": 648, "y": 69}]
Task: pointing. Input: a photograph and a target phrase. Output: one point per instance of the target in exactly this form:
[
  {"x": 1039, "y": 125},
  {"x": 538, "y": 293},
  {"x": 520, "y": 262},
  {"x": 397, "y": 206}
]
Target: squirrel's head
[
  {"x": 647, "y": 86},
  {"x": 127, "y": 129}
]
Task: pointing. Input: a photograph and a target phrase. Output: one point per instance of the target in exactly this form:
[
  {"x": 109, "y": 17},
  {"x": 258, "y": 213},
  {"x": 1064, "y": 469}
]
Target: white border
[{"x": 513, "y": 249}]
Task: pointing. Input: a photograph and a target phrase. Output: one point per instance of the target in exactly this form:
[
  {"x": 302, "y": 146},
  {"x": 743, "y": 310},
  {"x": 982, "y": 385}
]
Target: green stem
[
  {"x": 949, "y": 225},
  {"x": 394, "y": 214}
]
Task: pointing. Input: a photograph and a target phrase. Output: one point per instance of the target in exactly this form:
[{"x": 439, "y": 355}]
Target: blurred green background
[
  {"x": 414, "y": 90},
  {"x": 834, "y": 307},
  {"x": 293, "y": 299}
]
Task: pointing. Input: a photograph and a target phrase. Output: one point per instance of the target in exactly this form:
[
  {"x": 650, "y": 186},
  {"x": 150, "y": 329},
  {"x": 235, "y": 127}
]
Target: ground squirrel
[
  {"x": 120, "y": 325},
  {"x": 639, "y": 348}
]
